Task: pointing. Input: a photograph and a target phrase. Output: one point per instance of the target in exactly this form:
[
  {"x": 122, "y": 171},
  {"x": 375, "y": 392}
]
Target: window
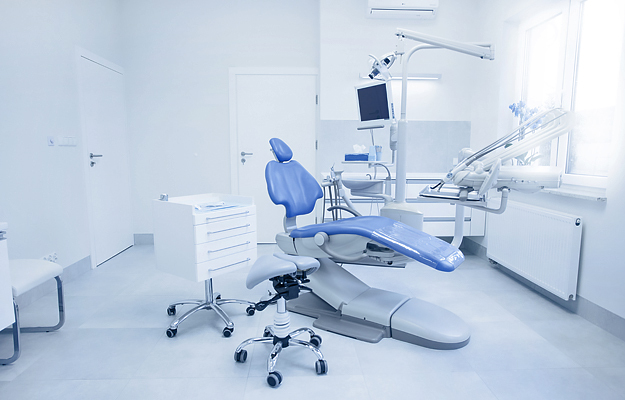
[{"x": 571, "y": 59}]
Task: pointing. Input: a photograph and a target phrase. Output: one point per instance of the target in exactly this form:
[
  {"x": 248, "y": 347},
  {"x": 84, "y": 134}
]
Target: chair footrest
[{"x": 367, "y": 333}]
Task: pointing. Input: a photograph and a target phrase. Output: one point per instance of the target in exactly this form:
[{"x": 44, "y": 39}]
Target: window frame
[{"x": 572, "y": 14}]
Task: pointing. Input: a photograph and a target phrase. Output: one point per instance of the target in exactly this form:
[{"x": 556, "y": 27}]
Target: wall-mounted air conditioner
[{"x": 415, "y": 9}]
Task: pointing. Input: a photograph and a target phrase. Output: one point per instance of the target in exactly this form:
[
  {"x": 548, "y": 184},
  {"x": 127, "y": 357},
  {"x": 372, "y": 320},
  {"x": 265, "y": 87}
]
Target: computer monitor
[{"x": 375, "y": 103}]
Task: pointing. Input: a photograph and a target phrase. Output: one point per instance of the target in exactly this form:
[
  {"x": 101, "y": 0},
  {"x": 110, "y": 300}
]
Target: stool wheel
[
  {"x": 171, "y": 311},
  {"x": 240, "y": 356},
  {"x": 171, "y": 332},
  {"x": 321, "y": 366},
  {"x": 227, "y": 332},
  {"x": 250, "y": 310},
  {"x": 274, "y": 379},
  {"x": 315, "y": 340}
]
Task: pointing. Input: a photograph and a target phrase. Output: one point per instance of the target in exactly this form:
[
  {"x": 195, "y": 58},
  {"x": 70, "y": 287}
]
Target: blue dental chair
[{"x": 339, "y": 301}]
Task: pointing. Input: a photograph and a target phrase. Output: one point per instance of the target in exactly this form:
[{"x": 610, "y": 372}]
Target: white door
[
  {"x": 103, "y": 116},
  {"x": 279, "y": 104}
]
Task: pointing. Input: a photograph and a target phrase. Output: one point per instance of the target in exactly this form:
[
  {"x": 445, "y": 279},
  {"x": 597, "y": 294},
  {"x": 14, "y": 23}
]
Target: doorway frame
[
  {"x": 80, "y": 53},
  {"x": 233, "y": 73}
]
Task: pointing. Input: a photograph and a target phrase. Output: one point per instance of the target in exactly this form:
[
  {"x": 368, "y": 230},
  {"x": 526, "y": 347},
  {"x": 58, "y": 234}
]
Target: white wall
[
  {"x": 601, "y": 266},
  {"x": 42, "y": 194},
  {"x": 348, "y": 37},
  {"x": 177, "y": 56}
]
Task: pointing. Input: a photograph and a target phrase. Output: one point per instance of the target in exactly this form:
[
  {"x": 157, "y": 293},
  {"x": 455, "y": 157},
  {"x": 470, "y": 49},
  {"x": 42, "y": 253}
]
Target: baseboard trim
[
  {"x": 70, "y": 273},
  {"x": 144, "y": 238}
]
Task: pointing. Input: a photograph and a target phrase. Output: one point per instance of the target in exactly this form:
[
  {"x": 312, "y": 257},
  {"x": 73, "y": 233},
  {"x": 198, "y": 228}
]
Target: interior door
[
  {"x": 103, "y": 115},
  {"x": 264, "y": 106}
]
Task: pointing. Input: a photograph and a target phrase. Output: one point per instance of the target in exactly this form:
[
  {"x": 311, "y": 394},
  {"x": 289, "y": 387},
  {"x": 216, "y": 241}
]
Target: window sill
[{"x": 579, "y": 192}]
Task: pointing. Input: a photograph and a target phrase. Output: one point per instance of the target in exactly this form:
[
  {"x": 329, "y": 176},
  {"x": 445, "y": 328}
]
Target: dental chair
[{"x": 339, "y": 301}]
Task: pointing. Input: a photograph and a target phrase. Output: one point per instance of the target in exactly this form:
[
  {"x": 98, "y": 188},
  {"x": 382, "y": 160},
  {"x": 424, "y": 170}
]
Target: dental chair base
[{"x": 343, "y": 304}]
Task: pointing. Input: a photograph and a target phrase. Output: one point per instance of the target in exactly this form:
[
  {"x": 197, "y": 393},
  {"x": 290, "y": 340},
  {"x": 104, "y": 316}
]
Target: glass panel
[
  {"x": 598, "y": 66},
  {"x": 542, "y": 83},
  {"x": 544, "y": 59}
]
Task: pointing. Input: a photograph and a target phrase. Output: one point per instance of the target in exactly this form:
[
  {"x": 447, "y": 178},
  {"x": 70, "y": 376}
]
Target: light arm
[{"x": 484, "y": 51}]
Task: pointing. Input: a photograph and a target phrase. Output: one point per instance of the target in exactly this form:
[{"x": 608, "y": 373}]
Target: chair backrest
[{"x": 289, "y": 184}]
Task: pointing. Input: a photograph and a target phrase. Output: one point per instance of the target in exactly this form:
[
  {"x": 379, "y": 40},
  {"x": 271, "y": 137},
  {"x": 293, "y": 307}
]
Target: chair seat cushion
[
  {"x": 27, "y": 274},
  {"x": 411, "y": 242}
]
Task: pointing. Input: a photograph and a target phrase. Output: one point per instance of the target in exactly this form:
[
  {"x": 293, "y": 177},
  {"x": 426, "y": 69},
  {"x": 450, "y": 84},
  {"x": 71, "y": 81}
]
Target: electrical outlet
[{"x": 52, "y": 257}]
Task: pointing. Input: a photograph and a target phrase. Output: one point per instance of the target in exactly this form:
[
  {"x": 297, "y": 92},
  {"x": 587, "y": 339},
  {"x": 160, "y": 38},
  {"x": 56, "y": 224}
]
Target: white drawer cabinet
[
  {"x": 199, "y": 237},
  {"x": 7, "y": 316}
]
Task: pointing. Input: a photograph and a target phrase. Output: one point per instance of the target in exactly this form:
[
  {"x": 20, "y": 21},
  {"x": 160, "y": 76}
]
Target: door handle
[
  {"x": 243, "y": 154},
  {"x": 92, "y": 156}
]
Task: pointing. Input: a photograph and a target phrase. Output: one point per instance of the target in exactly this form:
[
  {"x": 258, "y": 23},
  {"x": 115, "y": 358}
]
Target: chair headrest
[{"x": 282, "y": 151}]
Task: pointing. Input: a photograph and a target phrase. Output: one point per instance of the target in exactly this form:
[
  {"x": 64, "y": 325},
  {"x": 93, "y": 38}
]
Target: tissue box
[{"x": 357, "y": 157}]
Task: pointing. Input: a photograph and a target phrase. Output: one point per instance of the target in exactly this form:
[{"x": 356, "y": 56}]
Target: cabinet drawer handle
[
  {"x": 229, "y": 229},
  {"x": 227, "y": 216},
  {"x": 230, "y": 265},
  {"x": 226, "y": 248}
]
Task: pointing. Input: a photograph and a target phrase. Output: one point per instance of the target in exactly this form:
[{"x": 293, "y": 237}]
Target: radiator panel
[{"x": 541, "y": 245}]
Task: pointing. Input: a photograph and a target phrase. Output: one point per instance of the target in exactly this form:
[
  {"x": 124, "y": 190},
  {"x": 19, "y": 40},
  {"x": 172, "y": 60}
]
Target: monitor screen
[{"x": 374, "y": 101}]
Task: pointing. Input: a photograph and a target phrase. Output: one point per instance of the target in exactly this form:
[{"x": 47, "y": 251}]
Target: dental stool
[
  {"x": 287, "y": 273},
  {"x": 26, "y": 275}
]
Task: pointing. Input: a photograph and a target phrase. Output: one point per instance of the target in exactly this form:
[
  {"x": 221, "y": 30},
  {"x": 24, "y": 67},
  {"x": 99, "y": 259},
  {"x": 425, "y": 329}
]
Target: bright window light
[
  {"x": 595, "y": 90},
  {"x": 543, "y": 63}
]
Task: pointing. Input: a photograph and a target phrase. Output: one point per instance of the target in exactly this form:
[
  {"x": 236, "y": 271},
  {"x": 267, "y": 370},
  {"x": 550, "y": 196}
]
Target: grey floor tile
[
  {"x": 388, "y": 356},
  {"x": 309, "y": 387},
  {"x": 528, "y": 305},
  {"x": 184, "y": 388},
  {"x": 587, "y": 344},
  {"x": 94, "y": 354},
  {"x": 511, "y": 345},
  {"x": 63, "y": 389},
  {"x": 613, "y": 377},
  {"x": 547, "y": 384},
  {"x": 431, "y": 385}
]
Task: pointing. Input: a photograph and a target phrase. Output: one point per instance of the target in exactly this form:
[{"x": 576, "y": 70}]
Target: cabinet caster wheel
[
  {"x": 321, "y": 366},
  {"x": 171, "y": 311},
  {"x": 315, "y": 340},
  {"x": 274, "y": 379},
  {"x": 227, "y": 332},
  {"x": 240, "y": 356},
  {"x": 266, "y": 333},
  {"x": 250, "y": 310},
  {"x": 171, "y": 332}
]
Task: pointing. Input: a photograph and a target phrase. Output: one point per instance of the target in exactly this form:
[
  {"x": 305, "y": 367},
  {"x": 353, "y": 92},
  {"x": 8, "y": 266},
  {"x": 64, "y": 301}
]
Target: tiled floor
[{"x": 114, "y": 346}]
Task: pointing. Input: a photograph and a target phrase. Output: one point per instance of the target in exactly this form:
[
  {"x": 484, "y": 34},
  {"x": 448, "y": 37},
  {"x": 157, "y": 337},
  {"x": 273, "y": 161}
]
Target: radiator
[{"x": 541, "y": 245}]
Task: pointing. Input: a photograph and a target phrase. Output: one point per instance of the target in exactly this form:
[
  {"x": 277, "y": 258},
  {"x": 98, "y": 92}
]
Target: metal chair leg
[
  {"x": 17, "y": 329},
  {"x": 61, "y": 303},
  {"x": 16, "y": 338}
]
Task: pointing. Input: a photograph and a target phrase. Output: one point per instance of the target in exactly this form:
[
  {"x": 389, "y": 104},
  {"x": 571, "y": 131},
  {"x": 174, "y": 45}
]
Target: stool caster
[
  {"x": 321, "y": 366},
  {"x": 274, "y": 379},
  {"x": 240, "y": 356}
]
